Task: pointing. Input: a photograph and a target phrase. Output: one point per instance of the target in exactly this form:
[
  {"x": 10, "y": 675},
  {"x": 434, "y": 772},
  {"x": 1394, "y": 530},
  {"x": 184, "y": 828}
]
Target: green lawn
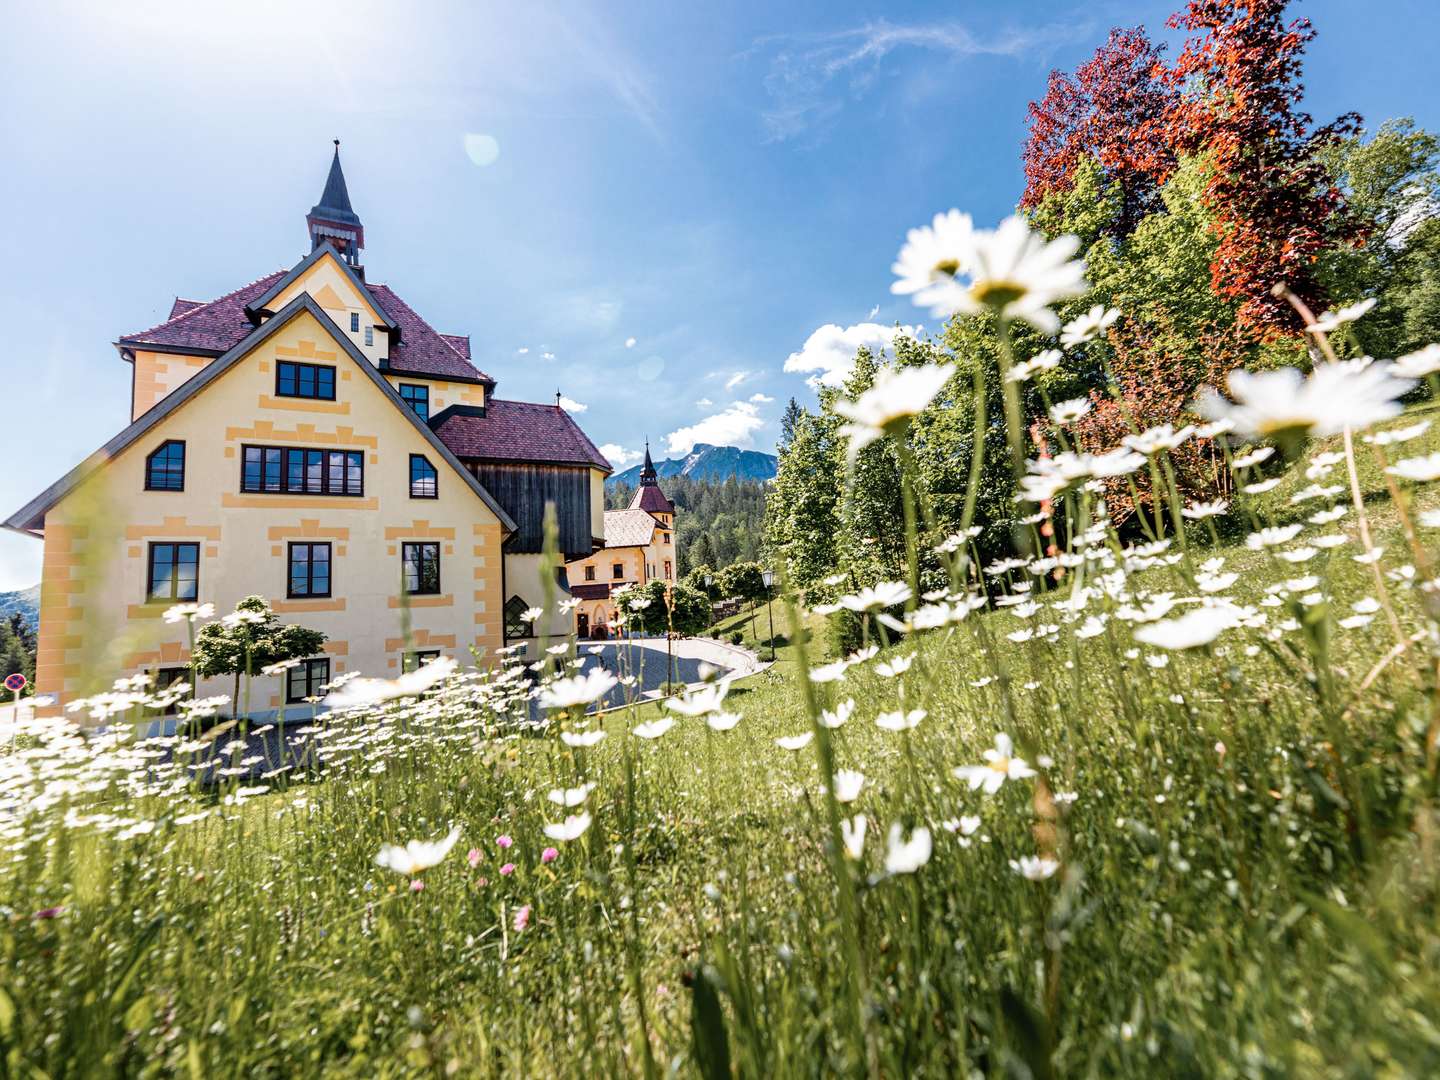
[{"x": 1246, "y": 838}]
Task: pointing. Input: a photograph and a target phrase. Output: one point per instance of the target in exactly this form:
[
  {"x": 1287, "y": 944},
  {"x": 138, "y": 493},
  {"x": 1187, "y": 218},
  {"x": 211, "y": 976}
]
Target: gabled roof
[
  {"x": 207, "y": 329},
  {"x": 261, "y": 304},
  {"x": 517, "y": 431},
  {"x": 210, "y": 328},
  {"x": 422, "y": 350},
  {"x": 652, "y": 500},
  {"x": 628, "y": 528},
  {"x": 31, "y": 517}
]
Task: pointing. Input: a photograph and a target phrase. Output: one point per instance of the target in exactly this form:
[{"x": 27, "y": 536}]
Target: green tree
[{"x": 250, "y": 639}]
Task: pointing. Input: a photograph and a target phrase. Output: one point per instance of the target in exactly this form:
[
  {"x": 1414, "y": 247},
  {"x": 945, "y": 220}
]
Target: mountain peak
[{"x": 707, "y": 462}]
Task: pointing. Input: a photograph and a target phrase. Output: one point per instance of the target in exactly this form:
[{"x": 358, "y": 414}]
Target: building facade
[
  {"x": 639, "y": 547},
  {"x": 311, "y": 439}
]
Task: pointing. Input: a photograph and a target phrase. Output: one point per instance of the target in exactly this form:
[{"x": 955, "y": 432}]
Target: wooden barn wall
[{"x": 523, "y": 490}]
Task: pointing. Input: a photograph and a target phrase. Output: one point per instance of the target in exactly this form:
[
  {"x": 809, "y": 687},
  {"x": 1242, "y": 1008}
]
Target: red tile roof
[
  {"x": 518, "y": 431},
  {"x": 459, "y": 342},
  {"x": 180, "y": 307},
  {"x": 652, "y": 500},
  {"x": 212, "y": 327},
  {"x": 216, "y": 325},
  {"x": 421, "y": 349}
]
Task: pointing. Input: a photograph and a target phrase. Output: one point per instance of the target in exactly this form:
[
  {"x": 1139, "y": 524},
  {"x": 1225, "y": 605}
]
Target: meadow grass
[{"x": 1248, "y": 882}]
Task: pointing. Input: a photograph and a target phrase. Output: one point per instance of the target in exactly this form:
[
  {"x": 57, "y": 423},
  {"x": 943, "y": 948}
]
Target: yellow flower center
[
  {"x": 948, "y": 267},
  {"x": 998, "y": 293},
  {"x": 1001, "y": 764}
]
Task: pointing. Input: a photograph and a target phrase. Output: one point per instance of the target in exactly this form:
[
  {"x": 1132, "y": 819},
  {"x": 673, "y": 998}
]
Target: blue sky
[{"x": 715, "y": 181}]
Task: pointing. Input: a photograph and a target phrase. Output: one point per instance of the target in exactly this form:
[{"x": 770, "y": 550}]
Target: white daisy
[
  {"x": 1000, "y": 765},
  {"x": 581, "y": 738},
  {"x": 1333, "y": 320},
  {"x": 795, "y": 742},
  {"x": 1284, "y": 404},
  {"x": 1420, "y": 363},
  {"x": 572, "y": 828},
  {"x": 1195, "y": 628},
  {"x": 1084, "y": 327},
  {"x": 834, "y": 718},
  {"x": 653, "y": 729},
  {"x": 1065, "y": 413},
  {"x": 900, "y": 721},
  {"x": 890, "y": 405},
  {"x": 904, "y": 856},
  {"x": 1201, "y": 510},
  {"x": 1034, "y": 867},
  {"x": 848, "y": 783},
  {"x": 1042, "y": 361},
  {"x": 1420, "y": 470},
  {"x": 932, "y": 256},
  {"x": 852, "y": 835},
  {"x": 417, "y": 855},
  {"x": 577, "y": 689}
]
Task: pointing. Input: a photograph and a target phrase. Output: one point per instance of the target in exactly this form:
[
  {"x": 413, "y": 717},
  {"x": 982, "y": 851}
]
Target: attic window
[
  {"x": 369, "y": 335},
  {"x": 354, "y": 322}
]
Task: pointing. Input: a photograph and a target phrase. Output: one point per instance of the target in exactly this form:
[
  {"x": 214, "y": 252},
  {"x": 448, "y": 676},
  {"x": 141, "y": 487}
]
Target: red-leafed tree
[
  {"x": 1112, "y": 110},
  {"x": 1274, "y": 205}
]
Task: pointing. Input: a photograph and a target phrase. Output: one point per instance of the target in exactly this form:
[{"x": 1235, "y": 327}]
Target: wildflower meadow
[
  {"x": 1117, "y": 773},
  {"x": 1153, "y": 808}
]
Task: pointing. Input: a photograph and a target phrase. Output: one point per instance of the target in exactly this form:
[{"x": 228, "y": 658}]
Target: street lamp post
[{"x": 768, "y": 576}]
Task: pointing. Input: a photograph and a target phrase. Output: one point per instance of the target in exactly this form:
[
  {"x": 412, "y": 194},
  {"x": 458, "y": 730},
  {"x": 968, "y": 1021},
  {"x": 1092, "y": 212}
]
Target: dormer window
[
  {"x": 304, "y": 380},
  {"x": 165, "y": 467}
]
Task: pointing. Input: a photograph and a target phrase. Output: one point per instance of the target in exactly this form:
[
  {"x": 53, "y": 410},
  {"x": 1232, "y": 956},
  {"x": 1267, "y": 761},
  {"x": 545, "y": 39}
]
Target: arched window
[{"x": 515, "y": 626}]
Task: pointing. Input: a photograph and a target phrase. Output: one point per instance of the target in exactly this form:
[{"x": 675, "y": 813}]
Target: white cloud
[
  {"x": 873, "y": 312},
  {"x": 547, "y": 356},
  {"x": 761, "y": 399},
  {"x": 618, "y": 456},
  {"x": 830, "y": 351},
  {"x": 736, "y": 379},
  {"x": 522, "y": 350},
  {"x": 629, "y": 342},
  {"x": 704, "y": 403},
  {"x": 570, "y": 405},
  {"x": 734, "y": 425},
  {"x": 811, "y": 77}
]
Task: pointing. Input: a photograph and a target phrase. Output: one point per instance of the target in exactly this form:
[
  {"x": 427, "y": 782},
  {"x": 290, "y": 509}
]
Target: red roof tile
[
  {"x": 212, "y": 327},
  {"x": 652, "y": 500},
  {"x": 459, "y": 342},
  {"x": 519, "y": 431},
  {"x": 216, "y": 325},
  {"x": 421, "y": 349},
  {"x": 180, "y": 307}
]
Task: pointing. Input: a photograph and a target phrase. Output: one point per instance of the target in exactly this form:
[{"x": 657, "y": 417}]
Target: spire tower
[{"x": 333, "y": 219}]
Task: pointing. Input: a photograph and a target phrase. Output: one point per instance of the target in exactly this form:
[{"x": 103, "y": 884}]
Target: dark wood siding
[{"x": 523, "y": 490}]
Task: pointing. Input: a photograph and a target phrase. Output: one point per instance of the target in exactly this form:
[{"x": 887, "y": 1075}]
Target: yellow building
[
  {"x": 311, "y": 439},
  {"x": 639, "y": 547}
]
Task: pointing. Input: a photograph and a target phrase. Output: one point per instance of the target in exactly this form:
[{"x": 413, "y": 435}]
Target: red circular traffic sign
[{"x": 15, "y": 682}]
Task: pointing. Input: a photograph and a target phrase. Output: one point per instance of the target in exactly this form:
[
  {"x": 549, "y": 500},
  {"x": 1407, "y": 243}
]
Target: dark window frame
[
  {"x": 410, "y": 398},
  {"x": 433, "y": 478},
  {"x": 168, "y": 469},
  {"x": 310, "y": 546},
  {"x": 352, "y": 467},
  {"x": 299, "y": 370},
  {"x": 418, "y": 658},
  {"x": 175, "y": 594},
  {"x": 590, "y": 572},
  {"x": 405, "y": 561},
  {"x": 307, "y": 669},
  {"x": 617, "y": 571},
  {"x": 516, "y": 627}
]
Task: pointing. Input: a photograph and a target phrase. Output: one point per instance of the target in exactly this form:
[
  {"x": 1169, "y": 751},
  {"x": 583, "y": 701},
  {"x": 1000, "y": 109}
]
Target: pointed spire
[
  {"x": 647, "y": 471},
  {"x": 333, "y": 219}
]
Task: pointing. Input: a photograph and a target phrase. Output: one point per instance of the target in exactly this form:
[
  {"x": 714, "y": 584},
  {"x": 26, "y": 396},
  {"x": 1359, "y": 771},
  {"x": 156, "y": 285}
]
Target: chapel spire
[
  {"x": 647, "y": 471},
  {"x": 333, "y": 219}
]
